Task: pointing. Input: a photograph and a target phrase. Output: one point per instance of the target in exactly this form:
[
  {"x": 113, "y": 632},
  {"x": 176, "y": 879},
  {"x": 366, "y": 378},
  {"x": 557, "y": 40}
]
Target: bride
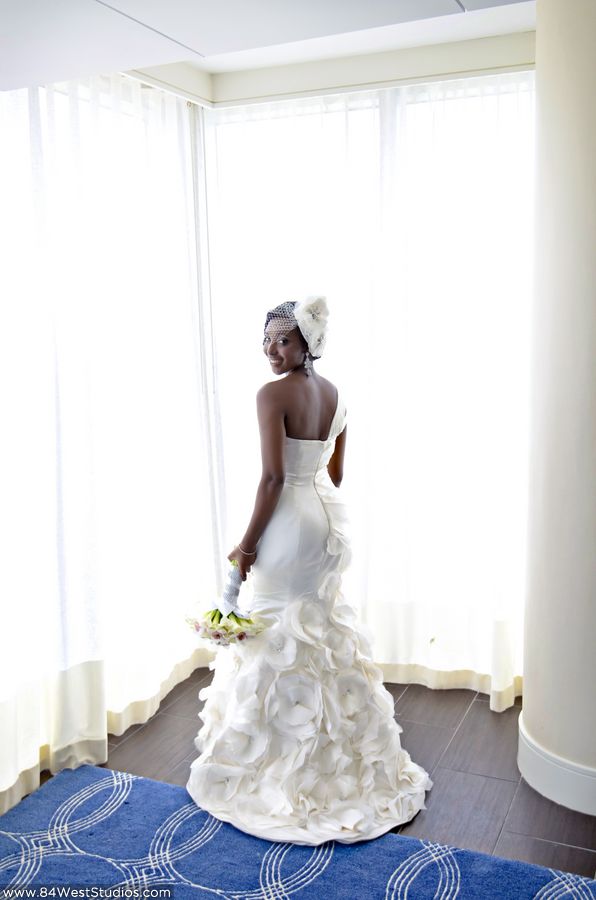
[{"x": 299, "y": 741}]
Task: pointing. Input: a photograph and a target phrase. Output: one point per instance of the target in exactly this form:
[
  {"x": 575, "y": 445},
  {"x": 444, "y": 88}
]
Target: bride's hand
[{"x": 244, "y": 560}]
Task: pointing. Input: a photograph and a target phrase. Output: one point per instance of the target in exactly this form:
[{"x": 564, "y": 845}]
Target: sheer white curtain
[
  {"x": 411, "y": 209},
  {"x": 109, "y": 523}
]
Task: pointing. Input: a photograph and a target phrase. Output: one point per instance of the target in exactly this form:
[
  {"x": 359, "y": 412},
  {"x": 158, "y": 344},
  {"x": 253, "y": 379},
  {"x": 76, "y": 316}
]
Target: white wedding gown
[{"x": 298, "y": 741}]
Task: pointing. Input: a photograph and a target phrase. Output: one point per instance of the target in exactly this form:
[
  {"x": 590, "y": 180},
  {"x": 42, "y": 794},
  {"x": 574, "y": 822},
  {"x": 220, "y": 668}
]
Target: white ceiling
[
  {"x": 503, "y": 18},
  {"x": 227, "y": 26},
  {"x": 43, "y": 42}
]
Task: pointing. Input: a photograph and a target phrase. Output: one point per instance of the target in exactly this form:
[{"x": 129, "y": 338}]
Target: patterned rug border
[{"x": 94, "y": 826}]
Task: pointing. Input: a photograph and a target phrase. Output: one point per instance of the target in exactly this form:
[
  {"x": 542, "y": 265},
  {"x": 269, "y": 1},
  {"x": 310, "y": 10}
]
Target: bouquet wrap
[{"x": 231, "y": 591}]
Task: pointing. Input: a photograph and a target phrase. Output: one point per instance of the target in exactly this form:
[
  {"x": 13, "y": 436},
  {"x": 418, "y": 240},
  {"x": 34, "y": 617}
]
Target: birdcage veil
[{"x": 310, "y": 316}]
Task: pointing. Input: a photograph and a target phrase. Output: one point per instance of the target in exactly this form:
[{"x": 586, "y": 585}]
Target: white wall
[{"x": 558, "y": 723}]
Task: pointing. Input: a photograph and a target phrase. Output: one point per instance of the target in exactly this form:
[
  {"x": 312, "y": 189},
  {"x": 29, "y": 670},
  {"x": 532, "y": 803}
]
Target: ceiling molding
[
  {"x": 181, "y": 79},
  {"x": 376, "y": 70}
]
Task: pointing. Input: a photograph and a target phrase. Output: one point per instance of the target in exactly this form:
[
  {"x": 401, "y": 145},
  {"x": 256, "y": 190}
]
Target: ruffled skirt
[{"x": 299, "y": 741}]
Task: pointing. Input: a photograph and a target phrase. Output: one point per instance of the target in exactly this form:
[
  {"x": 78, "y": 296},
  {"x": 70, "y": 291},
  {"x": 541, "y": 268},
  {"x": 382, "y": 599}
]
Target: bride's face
[{"x": 284, "y": 348}]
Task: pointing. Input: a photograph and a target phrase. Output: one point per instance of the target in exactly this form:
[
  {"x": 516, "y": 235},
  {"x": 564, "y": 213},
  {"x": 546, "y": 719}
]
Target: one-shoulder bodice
[{"x": 304, "y": 458}]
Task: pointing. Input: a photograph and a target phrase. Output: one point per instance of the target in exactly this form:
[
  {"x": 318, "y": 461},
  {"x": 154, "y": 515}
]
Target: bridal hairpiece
[{"x": 312, "y": 315}]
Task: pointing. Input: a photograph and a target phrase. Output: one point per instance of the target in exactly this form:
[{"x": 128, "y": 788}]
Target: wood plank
[
  {"x": 546, "y": 853},
  {"x": 154, "y": 750},
  {"x": 186, "y": 703},
  {"x": 396, "y": 690},
  {"x": 532, "y": 814},
  {"x": 428, "y": 707},
  {"x": 114, "y": 740},
  {"x": 425, "y": 743},
  {"x": 485, "y": 743},
  {"x": 463, "y": 810}
]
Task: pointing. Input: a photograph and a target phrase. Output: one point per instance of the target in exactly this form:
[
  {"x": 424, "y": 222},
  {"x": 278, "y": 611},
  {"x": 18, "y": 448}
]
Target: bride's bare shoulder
[
  {"x": 271, "y": 395},
  {"x": 329, "y": 390},
  {"x": 327, "y": 384}
]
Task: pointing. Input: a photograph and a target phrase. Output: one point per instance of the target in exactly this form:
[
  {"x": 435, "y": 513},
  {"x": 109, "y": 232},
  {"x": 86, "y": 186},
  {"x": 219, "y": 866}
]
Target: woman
[{"x": 298, "y": 741}]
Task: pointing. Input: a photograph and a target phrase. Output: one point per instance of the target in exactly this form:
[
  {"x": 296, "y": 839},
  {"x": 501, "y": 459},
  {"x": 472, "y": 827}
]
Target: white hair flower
[{"x": 312, "y": 315}]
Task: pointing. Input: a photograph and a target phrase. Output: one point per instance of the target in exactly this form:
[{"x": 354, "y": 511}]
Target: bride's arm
[
  {"x": 270, "y": 412},
  {"x": 335, "y": 466}
]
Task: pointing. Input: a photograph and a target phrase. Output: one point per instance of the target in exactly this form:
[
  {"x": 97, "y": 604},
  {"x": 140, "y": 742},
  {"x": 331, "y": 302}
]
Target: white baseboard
[{"x": 560, "y": 780}]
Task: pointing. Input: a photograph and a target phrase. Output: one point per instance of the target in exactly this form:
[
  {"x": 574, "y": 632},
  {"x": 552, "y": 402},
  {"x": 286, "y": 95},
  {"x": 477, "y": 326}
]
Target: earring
[{"x": 307, "y": 363}]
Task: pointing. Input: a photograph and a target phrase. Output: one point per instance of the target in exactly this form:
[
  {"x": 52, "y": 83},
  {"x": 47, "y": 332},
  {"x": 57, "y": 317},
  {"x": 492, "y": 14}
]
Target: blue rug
[{"x": 95, "y": 827}]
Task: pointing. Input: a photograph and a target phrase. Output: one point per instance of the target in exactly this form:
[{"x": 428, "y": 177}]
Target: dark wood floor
[{"x": 479, "y": 800}]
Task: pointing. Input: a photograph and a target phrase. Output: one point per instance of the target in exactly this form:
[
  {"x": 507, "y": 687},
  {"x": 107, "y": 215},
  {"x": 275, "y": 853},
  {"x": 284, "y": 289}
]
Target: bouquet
[{"x": 225, "y": 624}]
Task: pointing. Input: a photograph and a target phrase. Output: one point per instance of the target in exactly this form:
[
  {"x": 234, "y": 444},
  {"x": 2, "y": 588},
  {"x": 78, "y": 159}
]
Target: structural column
[{"x": 557, "y": 741}]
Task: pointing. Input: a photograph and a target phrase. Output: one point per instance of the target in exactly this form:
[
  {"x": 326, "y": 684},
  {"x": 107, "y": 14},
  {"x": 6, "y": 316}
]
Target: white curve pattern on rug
[{"x": 98, "y": 827}]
